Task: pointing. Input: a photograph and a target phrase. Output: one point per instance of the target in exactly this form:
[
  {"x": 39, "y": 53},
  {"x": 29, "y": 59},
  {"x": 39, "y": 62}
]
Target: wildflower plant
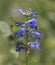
[{"x": 28, "y": 30}]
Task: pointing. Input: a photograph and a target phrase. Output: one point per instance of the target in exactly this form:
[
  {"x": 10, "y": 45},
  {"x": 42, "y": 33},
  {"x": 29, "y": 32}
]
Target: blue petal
[
  {"x": 22, "y": 25},
  {"x": 19, "y": 48},
  {"x": 33, "y": 14},
  {"x": 17, "y": 24},
  {"x": 33, "y": 27},
  {"x": 17, "y": 34},
  {"x": 22, "y": 32},
  {"x": 20, "y": 11},
  {"x": 32, "y": 21},
  {"x": 39, "y": 35},
  {"x": 35, "y": 45}
]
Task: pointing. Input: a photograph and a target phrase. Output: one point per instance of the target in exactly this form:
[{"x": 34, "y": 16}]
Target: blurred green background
[{"x": 46, "y": 22}]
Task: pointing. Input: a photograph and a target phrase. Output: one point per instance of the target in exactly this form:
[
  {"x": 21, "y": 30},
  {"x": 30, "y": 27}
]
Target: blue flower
[
  {"x": 34, "y": 14},
  {"x": 22, "y": 25},
  {"x": 35, "y": 45},
  {"x": 37, "y": 34},
  {"x": 17, "y": 34},
  {"x": 21, "y": 11},
  {"x": 29, "y": 25},
  {"x": 32, "y": 21},
  {"x": 33, "y": 24},
  {"x": 17, "y": 24},
  {"x": 19, "y": 48},
  {"x": 33, "y": 27},
  {"x": 21, "y": 32}
]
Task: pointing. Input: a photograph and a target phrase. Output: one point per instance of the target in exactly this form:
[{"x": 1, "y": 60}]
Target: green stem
[
  {"x": 26, "y": 60},
  {"x": 26, "y": 43},
  {"x": 26, "y": 49}
]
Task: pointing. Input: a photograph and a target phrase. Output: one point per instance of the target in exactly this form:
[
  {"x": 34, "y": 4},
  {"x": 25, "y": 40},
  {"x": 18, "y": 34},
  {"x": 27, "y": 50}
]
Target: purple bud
[
  {"x": 22, "y": 25},
  {"x": 21, "y": 11},
  {"x": 17, "y": 24}
]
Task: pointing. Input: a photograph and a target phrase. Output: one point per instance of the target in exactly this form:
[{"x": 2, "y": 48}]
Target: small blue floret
[{"x": 35, "y": 45}]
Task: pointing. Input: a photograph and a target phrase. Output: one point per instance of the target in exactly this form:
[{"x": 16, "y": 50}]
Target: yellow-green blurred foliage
[{"x": 46, "y": 22}]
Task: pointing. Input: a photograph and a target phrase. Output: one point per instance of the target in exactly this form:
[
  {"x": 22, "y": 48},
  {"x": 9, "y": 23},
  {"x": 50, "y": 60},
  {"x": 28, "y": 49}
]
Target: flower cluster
[{"x": 28, "y": 28}]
